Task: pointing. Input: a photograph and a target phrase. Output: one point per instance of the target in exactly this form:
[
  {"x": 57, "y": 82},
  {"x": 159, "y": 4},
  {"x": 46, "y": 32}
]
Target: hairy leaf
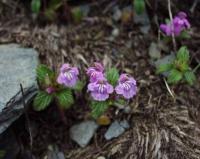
[
  {"x": 42, "y": 101},
  {"x": 112, "y": 76},
  {"x": 190, "y": 77},
  {"x": 164, "y": 68},
  {"x": 174, "y": 76},
  {"x": 98, "y": 108},
  {"x": 44, "y": 74},
  {"x": 139, "y": 6},
  {"x": 183, "y": 54},
  {"x": 35, "y": 6},
  {"x": 65, "y": 98}
]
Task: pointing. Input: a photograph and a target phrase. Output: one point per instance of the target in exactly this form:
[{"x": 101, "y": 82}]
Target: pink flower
[
  {"x": 178, "y": 24},
  {"x": 126, "y": 86},
  {"x": 50, "y": 90},
  {"x": 95, "y": 72},
  {"x": 68, "y": 75},
  {"x": 100, "y": 89}
]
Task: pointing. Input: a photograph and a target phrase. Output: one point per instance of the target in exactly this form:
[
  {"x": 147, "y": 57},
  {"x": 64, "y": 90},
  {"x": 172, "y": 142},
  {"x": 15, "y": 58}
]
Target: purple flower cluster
[
  {"x": 178, "y": 24},
  {"x": 68, "y": 75},
  {"x": 100, "y": 89},
  {"x": 126, "y": 86}
]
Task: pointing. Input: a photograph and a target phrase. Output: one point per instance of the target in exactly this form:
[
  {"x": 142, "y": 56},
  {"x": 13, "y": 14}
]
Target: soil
[{"x": 161, "y": 126}]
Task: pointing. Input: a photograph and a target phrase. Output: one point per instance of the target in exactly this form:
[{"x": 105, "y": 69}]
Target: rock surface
[
  {"x": 83, "y": 132},
  {"x": 54, "y": 153},
  {"x": 17, "y": 65},
  {"x": 116, "y": 129},
  {"x": 144, "y": 22}
]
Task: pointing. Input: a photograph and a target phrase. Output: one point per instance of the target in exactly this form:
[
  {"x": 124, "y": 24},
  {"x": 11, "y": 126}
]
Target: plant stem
[{"x": 172, "y": 26}]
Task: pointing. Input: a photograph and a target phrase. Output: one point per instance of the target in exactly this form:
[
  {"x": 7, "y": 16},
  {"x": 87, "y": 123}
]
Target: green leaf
[
  {"x": 50, "y": 12},
  {"x": 184, "y": 35},
  {"x": 98, "y": 108},
  {"x": 112, "y": 76},
  {"x": 79, "y": 86},
  {"x": 42, "y": 101},
  {"x": 139, "y": 6},
  {"x": 164, "y": 68},
  {"x": 190, "y": 77},
  {"x": 54, "y": 4},
  {"x": 120, "y": 103},
  {"x": 65, "y": 98},
  {"x": 35, "y": 6},
  {"x": 44, "y": 74},
  {"x": 77, "y": 14},
  {"x": 183, "y": 54},
  {"x": 174, "y": 76}
]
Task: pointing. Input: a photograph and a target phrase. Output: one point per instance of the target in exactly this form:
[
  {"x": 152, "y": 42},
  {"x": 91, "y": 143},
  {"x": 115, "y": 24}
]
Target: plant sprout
[{"x": 179, "y": 69}]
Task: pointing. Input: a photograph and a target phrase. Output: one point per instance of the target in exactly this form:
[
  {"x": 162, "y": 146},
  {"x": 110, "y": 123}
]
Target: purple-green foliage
[
  {"x": 108, "y": 88},
  {"x": 56, "y": 87}
]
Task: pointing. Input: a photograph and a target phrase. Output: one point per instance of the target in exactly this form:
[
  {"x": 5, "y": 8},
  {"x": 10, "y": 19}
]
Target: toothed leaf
[
  {"x": 42, "y": 101},
  {"x": 65, "y": 98}
]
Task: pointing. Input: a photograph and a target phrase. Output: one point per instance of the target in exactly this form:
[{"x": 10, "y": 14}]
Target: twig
[
  {"x": 26, "y": 116},
  {"x": 194, "y": 6},
  {"x": 196, "y": 68},
  {"x": 172, "y": 26},
  {"x": 168, "y": 88}
]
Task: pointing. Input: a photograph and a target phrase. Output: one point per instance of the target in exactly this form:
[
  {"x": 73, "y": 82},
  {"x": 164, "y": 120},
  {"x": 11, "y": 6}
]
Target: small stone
[
  {"x": 147, "y": 73},
  {"x": 144, "y": 22},
  {"x": 154, "y": 51},
  {"x": 83, "y": 132},
  {"x": 124, "y": 124},
  {"x": 127, "y": 109},
  {"x": 54, "y": 153},
  {"x": 103, "y": 120},
  {"x": 115, "y": 32},
  {"x": 116, "y": 129},
  {"x": 101, "y": 157},
  {"x": 117, "y": 14}
]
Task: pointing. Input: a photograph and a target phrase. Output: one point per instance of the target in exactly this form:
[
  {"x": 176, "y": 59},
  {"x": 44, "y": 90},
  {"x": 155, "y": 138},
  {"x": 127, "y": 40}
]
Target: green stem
[{"x": 196, "y": 68}]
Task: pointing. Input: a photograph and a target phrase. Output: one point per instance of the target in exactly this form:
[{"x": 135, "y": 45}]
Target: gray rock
[
  {"x": 154, "y": 51},
  {"x": 143, "y": 20},
  {"x": 116, "y": 129},
  {"x": 117, "y": 14},
  {"x": 17, "y": 65},
  {"x": 83, "y": 132},
  {"x": 54, "y": 153},
  {"x": 101, "y": 157}
]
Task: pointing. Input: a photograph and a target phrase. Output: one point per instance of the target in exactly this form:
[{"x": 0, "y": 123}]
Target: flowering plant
[
  {"x": 178, "y": 69},
  {"x": 56, "y": 87},
  {"x": 177, "y": 26},
  {"x": 108, "y": 88}
]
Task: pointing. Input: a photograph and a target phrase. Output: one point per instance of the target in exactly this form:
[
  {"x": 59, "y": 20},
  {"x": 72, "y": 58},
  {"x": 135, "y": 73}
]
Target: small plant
[
  {"x": 139, "y": 6},
  {"x": 56, "y": 87},
  {"x": 178, "y": 26},
  {"x": 108, "y": 88},
  {"x": 50, "y": 9},
  {"x": 178, "y": 70}
]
